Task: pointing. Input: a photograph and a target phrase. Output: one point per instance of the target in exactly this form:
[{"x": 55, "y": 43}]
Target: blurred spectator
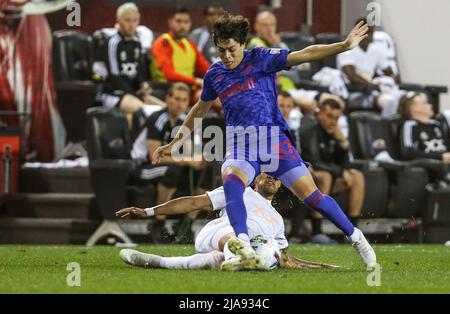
[
  {"x": 144, "y": 34},
  {"x": 421, "y": 135},
  {"x": 175, "y": 57},
  {"x": 266, "y": 32},
  {"x": 326, "y": 148},
  {"x": 168, "y": 174},
  {"x": 202, "y": 35},
  {"x": 359, "y": 66},
  {"x": 308, "y": 101},
  {"x": 122, "y": 65},
  {"x": 266, "y": 36},
  {"x": 386, "y": 45},
  {"x": 291, "y": 114}
]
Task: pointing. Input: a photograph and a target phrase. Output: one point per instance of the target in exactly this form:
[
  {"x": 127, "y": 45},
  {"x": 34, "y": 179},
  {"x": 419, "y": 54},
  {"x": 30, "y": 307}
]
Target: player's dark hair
[
  {"x": 231, "y": 27},
  {"x": 330, "y": 102},
  {"x": 179, "y": 10},
  {"x": 178, "y": 86}
]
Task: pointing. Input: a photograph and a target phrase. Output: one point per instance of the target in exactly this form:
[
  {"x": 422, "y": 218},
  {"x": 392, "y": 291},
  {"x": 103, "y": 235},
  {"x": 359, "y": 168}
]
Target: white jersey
[
  {"x": 262, "y": 217},
  {"x": 387, "y": 46},
  {"x": 366, "y": 63}
]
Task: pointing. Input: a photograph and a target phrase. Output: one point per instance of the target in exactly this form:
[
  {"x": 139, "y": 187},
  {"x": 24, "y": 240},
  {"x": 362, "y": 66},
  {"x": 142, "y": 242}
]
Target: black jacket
[
  {"x": 126, "y": 65},
  {"x": 424, "y": 140},
  {"x": 320, "y": 149}
]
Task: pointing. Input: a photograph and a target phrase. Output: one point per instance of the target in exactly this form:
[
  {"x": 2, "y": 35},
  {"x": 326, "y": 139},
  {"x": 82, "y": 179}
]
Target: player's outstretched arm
[
  {"x": 177, "y": 206},
  {"x": 292, "y": 262},
  {"x": 199, "y": 111},
  {"x": 317, "y": 52}
]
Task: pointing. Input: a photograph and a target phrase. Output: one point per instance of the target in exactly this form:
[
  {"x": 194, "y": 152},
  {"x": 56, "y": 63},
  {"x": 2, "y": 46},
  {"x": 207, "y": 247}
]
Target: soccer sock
[
  {"x": 355, "y": 235},
  {"x": 227, "y": 253},
  {"x": 328, "y": 207},
  {"x": 197, "y": 261},
  {"x": 234, "y": 195}
]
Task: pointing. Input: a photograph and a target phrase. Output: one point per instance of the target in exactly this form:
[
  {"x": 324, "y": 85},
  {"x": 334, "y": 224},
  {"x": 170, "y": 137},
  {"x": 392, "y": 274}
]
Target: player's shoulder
[
  {"x": 216, "y": 69},
  {"x": 262, "y": 51},
  {"x": 216, "y": 66},
  {"x": 114, "y": 38},
  {"x": 249, "y": 192}
]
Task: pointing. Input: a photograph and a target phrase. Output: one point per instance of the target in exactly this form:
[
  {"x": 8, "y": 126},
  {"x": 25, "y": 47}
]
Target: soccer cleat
[
  {"x": 136, "y": 258},
  {"x": 238, "y": 264},
  {"x": 246, "y": 258},
  {"x": 241, "y": 248},
  {"x": 365, "y": 251},
  {"x": 232, "y": 264}
]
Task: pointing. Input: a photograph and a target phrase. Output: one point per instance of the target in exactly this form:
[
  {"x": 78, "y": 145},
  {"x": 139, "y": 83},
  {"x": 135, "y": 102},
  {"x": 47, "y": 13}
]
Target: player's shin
[
  {"x": 234, "y": 194},
  {"x": 328, "y": 207}
]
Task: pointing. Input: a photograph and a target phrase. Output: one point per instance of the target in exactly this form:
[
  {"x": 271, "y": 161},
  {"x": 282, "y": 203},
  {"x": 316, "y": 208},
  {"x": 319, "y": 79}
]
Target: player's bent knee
[
  {"x": 237, "y": 172},
  {"x": 303, "y": 187}
]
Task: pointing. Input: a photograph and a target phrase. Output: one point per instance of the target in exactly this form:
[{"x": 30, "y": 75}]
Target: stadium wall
[
  {"x": 291, "y": 16},
  {"x": 420, "y": 29}
]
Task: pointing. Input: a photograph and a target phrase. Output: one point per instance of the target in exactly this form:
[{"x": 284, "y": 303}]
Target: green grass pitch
[{"x": 43, "y": 269}]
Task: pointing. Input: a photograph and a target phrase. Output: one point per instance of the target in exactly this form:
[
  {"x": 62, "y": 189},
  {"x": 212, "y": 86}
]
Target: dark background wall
[{"x": 96, "y": 14}]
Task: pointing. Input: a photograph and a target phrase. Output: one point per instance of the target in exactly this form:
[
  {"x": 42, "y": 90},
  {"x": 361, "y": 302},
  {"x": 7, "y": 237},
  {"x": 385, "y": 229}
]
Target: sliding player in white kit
[{"x": 216, "y": 243}]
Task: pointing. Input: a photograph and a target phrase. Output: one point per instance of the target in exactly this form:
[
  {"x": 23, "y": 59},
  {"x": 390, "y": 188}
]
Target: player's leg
[
  {"x": 294, "y": 174},
  {"x": 324, "y": 181},
  {"x": 218, "y": 235},
  {"x": 197, "y": 261},
  {"x": 306, "y": 189},
  {"x": 236, "y": 175},
  {"x": 237, "y": 255}
]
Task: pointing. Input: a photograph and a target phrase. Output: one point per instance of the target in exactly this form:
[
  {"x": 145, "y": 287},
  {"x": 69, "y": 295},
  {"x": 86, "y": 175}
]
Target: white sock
[
  {"x": 244, "y": 237},
  {"x": 197, "y": 261},
  {"x": 227, "y": 253},
  {"x": 355, "y": 235}
]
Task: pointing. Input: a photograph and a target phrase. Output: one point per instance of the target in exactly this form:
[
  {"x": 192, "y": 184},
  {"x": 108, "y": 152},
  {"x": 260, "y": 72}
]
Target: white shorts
[{"x": 208, "y": 238}]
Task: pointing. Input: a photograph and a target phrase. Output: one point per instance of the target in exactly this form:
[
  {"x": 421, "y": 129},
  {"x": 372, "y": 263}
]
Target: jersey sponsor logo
[
  {"x": 274, "y": 51},
  {"x": 435, "y": 146},
  {"x": 237, "y": 88},
  {"x": 129, "y": 69}
]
